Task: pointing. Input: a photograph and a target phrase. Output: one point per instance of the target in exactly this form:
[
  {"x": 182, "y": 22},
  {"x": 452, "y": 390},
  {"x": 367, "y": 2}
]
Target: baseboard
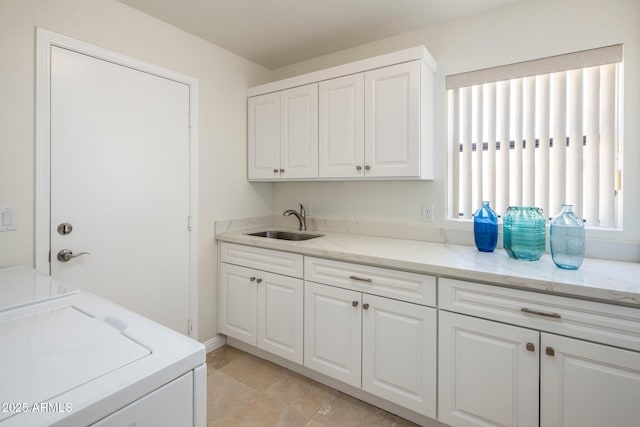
[
  {"x": 333, "y": 383},
  {"x": 215, "y": 343}
]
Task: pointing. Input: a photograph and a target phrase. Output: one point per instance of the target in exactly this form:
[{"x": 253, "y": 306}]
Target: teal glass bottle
[
  {"x": 524, "y": 233},
  {"x": 566, "y": 237},
  {"x": 485, "y": 228}
]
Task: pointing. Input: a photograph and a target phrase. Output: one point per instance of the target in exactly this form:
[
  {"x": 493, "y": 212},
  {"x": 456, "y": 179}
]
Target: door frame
[{"x": 45, "y": 40}]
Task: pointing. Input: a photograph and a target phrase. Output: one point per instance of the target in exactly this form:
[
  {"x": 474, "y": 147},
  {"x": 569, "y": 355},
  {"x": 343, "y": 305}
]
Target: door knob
[{"x": 65, "y": 255}]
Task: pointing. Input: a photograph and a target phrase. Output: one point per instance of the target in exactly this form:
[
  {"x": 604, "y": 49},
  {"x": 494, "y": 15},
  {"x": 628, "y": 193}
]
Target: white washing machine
[{"x": 69, "y": 358}]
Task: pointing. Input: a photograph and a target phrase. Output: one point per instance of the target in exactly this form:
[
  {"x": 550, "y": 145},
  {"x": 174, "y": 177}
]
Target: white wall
[
  {"x": 526, "y": 30},
  {"x": 223, "y": 79}
]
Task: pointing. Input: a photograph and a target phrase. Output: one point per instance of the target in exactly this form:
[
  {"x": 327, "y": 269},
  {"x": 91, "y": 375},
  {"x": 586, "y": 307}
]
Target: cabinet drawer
[
  {"x": 262, "y": 259},
  {"x": 401, "y": 285},
  {"x": 604, "y": 323}
]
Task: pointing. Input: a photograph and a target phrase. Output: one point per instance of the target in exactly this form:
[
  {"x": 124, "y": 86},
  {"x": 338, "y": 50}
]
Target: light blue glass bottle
[
  {"x": 524, "y": 232},
  {"x": 566, "y": 233},
  {"x": 485, "y": 228}
]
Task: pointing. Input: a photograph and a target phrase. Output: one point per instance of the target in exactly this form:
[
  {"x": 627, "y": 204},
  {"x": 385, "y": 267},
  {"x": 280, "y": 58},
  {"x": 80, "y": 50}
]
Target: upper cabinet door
[
  {"x": 341, "y": 127},
  {"x": 264, "y": 136},
  {"x": 299, "y": 132},
  {"x": 392, "y": 111}
]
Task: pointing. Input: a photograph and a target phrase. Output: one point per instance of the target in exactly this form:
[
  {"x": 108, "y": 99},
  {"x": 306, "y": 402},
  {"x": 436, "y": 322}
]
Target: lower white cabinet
[
  {"x": 588, "y": 385},
  {"x": 399, "y": 353},
  {"x": 488, "y": 372},
  {"x": 332, "y": 332},
  {"x": 495, "y": 374},
  {"x": 262, "y": 309},
  {"x": 384, "y": 346}
]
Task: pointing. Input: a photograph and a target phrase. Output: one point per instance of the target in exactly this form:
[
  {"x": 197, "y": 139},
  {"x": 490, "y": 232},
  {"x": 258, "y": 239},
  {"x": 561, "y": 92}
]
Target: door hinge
[
  {"x": 189, "y": 327},
  {"x": 189, "y": 225},
  {"x": 49, "y": 257}
]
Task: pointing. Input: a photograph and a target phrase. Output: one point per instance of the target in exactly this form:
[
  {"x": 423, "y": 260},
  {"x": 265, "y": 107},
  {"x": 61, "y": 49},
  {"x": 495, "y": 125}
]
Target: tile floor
[{"x": 244, "y": 390}]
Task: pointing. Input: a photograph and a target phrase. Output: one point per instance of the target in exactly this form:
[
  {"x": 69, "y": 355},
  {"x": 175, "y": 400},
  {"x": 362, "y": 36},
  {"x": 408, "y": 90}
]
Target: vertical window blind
[{"x": 538, "y": 133}]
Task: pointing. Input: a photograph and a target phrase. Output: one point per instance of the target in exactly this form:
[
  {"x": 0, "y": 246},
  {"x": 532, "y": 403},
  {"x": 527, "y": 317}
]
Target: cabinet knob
[
  {"x": 354, "y": 303},
  {"x": 259, "y": 280},
  {"x": 531, "y": 347},
  {"x": 550, "y": 351},
  {"x": 275, "y": 171},
  {"x": 252, "y": 279},
  {"x": 365, "y": 306},
  {"x": 358, "y": 168},
  {"x": 367, "y": 167},
  {"x": 281, "y": 170}
]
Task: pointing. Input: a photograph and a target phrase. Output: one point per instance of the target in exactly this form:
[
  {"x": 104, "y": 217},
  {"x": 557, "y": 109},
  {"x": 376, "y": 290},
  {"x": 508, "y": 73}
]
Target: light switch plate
[{"x": 8, "y": 219}]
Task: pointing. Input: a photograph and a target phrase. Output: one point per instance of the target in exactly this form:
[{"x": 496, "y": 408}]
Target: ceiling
[{"x": 275, "y": 33}]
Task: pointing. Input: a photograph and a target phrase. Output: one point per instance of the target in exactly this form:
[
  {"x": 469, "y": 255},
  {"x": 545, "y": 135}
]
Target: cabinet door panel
[
  {"x": 588, "y": 385},
  {"x": 392, "y": 121},
  {"x": 299, "y": 132},
  {"x": 332, "y": 332},
  {"x": 399, "y": 353},
  {"x": 486, "y": 374},
  {"x": 280, "y": 319},
  {"x": 264, "y": 136},
  {"x": 238, "y": 303},
  {"x": 341, "y": 127}
]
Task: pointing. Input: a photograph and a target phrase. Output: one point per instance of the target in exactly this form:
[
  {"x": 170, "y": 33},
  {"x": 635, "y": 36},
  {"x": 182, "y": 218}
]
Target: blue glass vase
[
  {"x": 485, "y": 228},
  {"x": 524, "y": 233},
  {"x": 567, "y": 239}
]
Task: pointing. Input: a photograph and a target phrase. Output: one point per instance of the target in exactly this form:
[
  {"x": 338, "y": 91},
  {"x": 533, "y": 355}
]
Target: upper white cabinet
[
  {"x": 299, "y": 132},
  {"x": 368, "y": 119},
  {"x": 392, "y": 115},
  {"x": 264, "y": 136},
  {"x": 341, "y": 128},
  {"x": 283, "y": 134}
]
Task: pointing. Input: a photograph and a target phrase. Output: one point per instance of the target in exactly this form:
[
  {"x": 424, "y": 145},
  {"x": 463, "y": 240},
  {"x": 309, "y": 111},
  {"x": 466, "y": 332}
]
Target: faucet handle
[{"x": 302, "y": 210}]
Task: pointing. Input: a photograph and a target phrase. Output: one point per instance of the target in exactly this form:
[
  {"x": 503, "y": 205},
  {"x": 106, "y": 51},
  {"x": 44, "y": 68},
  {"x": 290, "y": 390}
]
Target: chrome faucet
[{"x": 302, "y": 218}]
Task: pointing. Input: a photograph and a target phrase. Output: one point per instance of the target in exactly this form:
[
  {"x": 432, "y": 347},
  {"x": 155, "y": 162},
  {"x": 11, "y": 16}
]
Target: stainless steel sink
[{"x": 285, "y": 235}]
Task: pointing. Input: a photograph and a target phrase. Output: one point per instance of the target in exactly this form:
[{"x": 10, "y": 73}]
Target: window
[{"x": 538, "y": 133}]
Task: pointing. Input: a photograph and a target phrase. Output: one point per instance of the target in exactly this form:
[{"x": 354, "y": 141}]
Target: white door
[
  {"x": 392, "y": 121},
  {"x": 332, "y": 332},
  {"x": 299, "y": 132},
  {"x": 280, "y": 318},
  {"x": 588, "y": 385},
  {"x": 264, "y": 136},
  {"x": 341, "y": 127},
  {"x": 399, "y": 353},
  {"x": 488, "y": 373},
  {"x": 238, "y": 303},
  {"x": 120, "y": 176}
]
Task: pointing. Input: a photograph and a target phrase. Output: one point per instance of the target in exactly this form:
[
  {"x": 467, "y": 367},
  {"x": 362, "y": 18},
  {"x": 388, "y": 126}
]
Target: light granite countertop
[{"x": 602, "y": 280}]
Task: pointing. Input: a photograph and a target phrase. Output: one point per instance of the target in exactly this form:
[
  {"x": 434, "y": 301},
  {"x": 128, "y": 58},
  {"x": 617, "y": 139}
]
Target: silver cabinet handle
[
  {"x": 252, "y": 279},
  {"x": 65, "y": 255},
  {"x": 367, "y": 167},
  {"x": 259, "y": 280},
  {"x": 281, "y": 170},
  {"x": 531, "y": 346},
  {"x": 354, "y": 303},
  {"x": 358, "y": 168},
  {"x": 360, "y": 279},
  {"x": 275, "y": 171},
  {"x": 540, "y": 313}
]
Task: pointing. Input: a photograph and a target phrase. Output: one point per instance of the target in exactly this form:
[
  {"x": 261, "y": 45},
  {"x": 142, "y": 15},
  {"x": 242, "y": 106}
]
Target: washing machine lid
[
  {"x": 20, "y": 286},
  {"x": 51, "y": 349}
]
